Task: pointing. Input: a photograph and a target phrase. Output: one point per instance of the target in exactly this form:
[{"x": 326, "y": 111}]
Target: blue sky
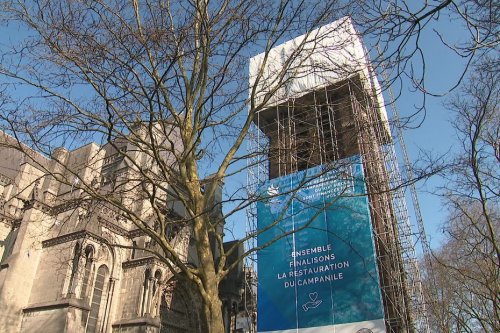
[
  {"x": 435, "y": 134},
  {"x": 443, "y": 69}
]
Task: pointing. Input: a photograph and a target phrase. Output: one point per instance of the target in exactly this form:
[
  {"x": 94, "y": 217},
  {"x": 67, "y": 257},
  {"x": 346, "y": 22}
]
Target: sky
[{"x": 434, "y": 134}]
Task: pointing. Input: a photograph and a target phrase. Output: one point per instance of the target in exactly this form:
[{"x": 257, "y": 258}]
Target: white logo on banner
[
  {"x": 313, "y": 303},
  {"x": 273, "y": 190}
]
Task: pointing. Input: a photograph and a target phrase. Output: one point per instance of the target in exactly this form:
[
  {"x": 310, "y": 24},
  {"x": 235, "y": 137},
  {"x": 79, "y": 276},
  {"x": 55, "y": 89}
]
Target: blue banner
[{"x": 321, "y": 272}]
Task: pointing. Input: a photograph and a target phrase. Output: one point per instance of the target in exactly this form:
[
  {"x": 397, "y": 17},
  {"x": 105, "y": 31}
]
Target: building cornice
[
  {"x": 142, "y": 262},
  {"x": 135, "y": 233},
  {"x": 113, "y": 227},
  {"x": 70, "y": 237},
  {"x": 62, "y": 303},
  {"x": 141, "y": 321},
  {"x": 64, "y": 207},
  {"x": 41, "y": 206}
]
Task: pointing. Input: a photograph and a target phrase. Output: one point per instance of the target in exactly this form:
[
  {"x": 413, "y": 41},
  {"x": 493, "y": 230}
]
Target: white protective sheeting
[{"x": 323, "y": 57}]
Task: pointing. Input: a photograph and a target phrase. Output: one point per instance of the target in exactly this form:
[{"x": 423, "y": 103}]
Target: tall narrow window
[
  {"x": 95, "y": 305},
  {"x": 154, "y": 307},
  {"x": 134, "y": 246},
  {"x": 74, "y": 269},
  {"x": 145, "y": 291},
  {"x": 89, "y": 257}
]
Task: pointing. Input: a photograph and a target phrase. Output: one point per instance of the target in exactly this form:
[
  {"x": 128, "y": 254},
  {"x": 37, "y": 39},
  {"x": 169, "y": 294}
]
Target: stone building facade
[{"x": 61, "y": 269}]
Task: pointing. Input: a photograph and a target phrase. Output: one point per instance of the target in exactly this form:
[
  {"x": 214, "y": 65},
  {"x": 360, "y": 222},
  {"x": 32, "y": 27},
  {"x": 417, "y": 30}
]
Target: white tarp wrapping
[{"x": 323, "y": 57}]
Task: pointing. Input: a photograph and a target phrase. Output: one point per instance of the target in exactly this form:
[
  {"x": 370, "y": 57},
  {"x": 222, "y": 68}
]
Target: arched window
[
  {"x": 145, "y": 291},
  {"x": 89, "y": 258},
  {"x": 156, "y": 281},
  {"x": 95, "y": 305},
  {"x": 155, "y": 295}
]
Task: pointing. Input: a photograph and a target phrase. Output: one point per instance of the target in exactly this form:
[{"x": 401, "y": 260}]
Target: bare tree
[
  {"x": 466, "y": 269},
  {"x": 399, "y": 29},
  {"x": 166, "y": 82},
  {"x": 158, "y": 83}
]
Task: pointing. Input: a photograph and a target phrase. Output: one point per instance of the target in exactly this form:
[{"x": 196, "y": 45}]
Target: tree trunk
[
  {"x": 209, "y": 288},
  {"x": 213, "y": 309}
]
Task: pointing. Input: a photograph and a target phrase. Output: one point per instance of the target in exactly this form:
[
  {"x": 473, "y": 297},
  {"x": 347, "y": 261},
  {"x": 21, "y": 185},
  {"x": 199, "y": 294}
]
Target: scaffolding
[{"x": 329, "y": 124}]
